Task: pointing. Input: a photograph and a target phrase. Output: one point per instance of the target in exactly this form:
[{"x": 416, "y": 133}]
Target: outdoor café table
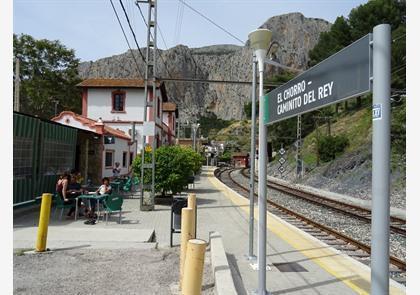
[{"x": 90, "y": 197}]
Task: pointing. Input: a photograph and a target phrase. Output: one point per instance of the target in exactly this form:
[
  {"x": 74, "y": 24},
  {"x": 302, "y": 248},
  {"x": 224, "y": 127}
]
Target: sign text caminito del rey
[{"x": 343, "y": 75}]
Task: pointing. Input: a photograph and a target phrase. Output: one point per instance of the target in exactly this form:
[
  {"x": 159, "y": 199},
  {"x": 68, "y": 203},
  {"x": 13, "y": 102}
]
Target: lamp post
[{"x": 260, "y": 41}]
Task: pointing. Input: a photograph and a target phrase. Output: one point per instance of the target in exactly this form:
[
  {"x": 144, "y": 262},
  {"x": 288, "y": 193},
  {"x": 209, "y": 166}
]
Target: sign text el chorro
[
  {"x": 298, "y": 94},
  {"x": 343, "y": 75}
]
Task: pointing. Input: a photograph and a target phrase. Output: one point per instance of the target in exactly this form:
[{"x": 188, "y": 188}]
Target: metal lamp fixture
[{"x": 260, "y": 41}]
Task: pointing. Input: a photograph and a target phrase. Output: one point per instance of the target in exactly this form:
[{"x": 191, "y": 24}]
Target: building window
[
  {"x": 109, "y": 159},
  {"x": 131, "y": 158},
  {"x": 118, "y": 101},
  {"x": 158, "y": 108},
  {"x": 124, "y": 161}
]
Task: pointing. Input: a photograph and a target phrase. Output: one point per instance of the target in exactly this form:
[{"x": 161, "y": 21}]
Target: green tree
[
  {"x": 48, "y": 72},
  {"x": 248, "y": 109},
  {"x": 174, "y": 164},
  {"x": 332, "y": 41},
  {"x": 363, "y": 18},
  {"x": 225, "y": 157},
  {"x": 210, "y": 122}
]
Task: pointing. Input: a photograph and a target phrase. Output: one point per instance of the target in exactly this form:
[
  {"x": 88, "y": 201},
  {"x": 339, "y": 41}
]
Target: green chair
[
  {"x": 127, "y": 186},
  {"x": 115, "y": 187},
  {"x": 59, "y": 204},
  {"x": 113, "y": 203},
  {"x": 136, "y": 180}
]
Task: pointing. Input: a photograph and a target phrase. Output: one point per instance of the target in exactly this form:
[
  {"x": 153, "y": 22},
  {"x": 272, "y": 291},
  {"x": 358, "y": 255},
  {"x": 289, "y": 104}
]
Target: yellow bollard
[
  {"x": 192, "y": 203},
  {"x": 44, "y": 219},
  {"x": 193, "y": 268},
  {"x": 186, "y": 235}
]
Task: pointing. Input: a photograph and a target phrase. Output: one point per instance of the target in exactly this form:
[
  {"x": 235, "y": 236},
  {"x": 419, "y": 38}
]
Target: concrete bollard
[
  {"x": 193, "y": 268},
  {"x": 186, "y": 235},
  {"x": 192, "y": 203},
  {"x": 44, "y": 219}
]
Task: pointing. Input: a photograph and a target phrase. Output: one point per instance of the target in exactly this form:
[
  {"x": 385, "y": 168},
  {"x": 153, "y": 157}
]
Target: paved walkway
[{"x": 308, "y": 266}]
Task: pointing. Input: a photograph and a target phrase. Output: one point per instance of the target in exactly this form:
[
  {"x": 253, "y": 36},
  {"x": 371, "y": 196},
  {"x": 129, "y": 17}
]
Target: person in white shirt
[{"x": 105, "y": 188}]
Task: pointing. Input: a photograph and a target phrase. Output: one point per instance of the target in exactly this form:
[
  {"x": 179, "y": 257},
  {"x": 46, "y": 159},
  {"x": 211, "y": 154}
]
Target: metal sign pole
[
  {"x": 251, "y": 255},
  {"x": 381, "y": 143},
  {"x": 262, "y": 191}
]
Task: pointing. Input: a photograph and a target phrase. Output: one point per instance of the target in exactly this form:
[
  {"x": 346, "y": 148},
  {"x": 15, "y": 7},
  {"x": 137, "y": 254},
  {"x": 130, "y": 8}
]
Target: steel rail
[
  {"x": 348, "y": 209},
  {"x": 393, "y": 260}
]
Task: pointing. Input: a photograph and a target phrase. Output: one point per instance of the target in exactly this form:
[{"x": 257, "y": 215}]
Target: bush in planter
[{"x": 174, "y": 165}]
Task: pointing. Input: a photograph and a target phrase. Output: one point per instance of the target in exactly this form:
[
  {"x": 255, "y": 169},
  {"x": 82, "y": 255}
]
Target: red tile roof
[
  {"x": 108, "y": 82},
  {"x": 91, "y": 124}
]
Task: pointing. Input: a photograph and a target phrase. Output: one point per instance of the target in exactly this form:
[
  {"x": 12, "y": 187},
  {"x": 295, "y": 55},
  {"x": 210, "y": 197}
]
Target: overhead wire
[
  {"x": 211, "y": 21},
  {"x": 399, "y": 37},
  {"x": 398, "y": 69},
  {"x": 178, "y": 23},
  {"x": 160, "y": 54},
  {"x": 131, "y": 29},
  {"x": 126, "y": 39}
]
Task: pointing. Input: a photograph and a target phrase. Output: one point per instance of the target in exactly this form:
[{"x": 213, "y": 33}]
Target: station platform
[{"x": 305, "y": 264}]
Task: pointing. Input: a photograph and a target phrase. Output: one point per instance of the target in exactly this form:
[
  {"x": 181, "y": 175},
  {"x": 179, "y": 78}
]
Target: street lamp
[{"x": 260, "y": 41}]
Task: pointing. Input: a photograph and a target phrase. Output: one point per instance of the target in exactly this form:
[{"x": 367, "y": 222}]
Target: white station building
[{"x": 111, "y": 107}]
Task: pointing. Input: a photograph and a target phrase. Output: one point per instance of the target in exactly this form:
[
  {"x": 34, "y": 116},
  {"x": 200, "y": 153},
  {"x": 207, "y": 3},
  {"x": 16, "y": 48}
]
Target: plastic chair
[
  {"x": 113, "y": 203},
  {"x": 59, "y": 203},
  {"x": 127, "y": 186}
]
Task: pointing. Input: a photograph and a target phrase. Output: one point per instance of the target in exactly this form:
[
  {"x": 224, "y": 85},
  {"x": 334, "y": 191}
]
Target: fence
[{"x": 41, "y": 150}]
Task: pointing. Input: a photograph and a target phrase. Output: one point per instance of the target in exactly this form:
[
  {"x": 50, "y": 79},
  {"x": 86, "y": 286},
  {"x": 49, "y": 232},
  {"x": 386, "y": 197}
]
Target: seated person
[
  {"x": 105, "y": 188},
  {"x": 71, "y": 190}
]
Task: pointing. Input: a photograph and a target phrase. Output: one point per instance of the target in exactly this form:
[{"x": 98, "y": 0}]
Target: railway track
[
  {"x": 397, "y": 225},
  {"x": 338, "y": 240}
]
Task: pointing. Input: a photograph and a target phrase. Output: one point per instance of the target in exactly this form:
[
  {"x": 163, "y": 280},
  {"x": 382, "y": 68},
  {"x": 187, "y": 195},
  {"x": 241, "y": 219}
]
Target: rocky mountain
[{"x": 295, "y": 33}]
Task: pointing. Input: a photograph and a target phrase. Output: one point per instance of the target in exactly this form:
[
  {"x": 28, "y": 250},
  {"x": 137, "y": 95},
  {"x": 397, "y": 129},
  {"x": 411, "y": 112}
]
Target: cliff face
[{"x": 295, "y": 33}]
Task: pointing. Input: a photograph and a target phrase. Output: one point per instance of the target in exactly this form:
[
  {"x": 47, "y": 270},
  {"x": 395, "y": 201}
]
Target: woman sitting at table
[
  {"x": 71, "y": 190},
  {"x": 105, "y": 188}
]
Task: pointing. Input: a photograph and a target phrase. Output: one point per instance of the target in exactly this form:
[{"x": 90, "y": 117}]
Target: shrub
[
  {"x": 329, "y": 147},
  {"x": 225, "y": 157},
  {"x": 174, "y": 165}
]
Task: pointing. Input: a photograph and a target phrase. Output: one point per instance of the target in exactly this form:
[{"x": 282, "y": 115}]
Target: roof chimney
[{"x": 99, "y": 126}]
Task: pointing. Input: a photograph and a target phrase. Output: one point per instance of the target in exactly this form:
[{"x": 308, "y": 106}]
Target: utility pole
[
  {"x": 177, "y": 134},
  {"x": 325, "y": 118},
  {"x": 55, "y": 106},
  {"x": 150, "y": 82},
  {"x": 299, "y": 147},
  {"x": 17, "y": 86}
]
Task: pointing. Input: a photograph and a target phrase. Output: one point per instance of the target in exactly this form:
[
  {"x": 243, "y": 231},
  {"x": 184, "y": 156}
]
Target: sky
[{"x": 92, "y": 30}]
